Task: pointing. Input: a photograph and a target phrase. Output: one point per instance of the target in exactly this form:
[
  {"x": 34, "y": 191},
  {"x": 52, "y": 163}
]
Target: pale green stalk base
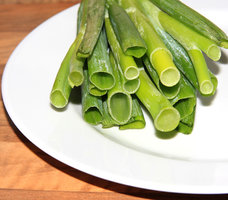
[
  {"x": 205, "y": 85},
  {"x": 166, "y": 118},
  {"x": 169, "y": 92},
  {"x": 168, "y": 73},
  {"x": 131, "y": 73}
]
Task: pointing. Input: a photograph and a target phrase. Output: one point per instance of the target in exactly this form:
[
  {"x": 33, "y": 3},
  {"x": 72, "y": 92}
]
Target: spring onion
[
  {"x": 94, "y": 22},
  {"x": 92, "y": 108},
  {"x": 99, "y": 67},
  {"x": 128, "y": 36},
  {"x": 127, "y": 63},
  {"x": 166, "y": 117},
  {"x": 118, "y": 100}
]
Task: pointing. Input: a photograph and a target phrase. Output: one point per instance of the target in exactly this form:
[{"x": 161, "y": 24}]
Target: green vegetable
[
  {"x": 129, "y": 38},
  {"x": 185, "y": 103},
  {"x": 131, "y": 86},
  {"x": 95, "y": 91},
  {"x": 92, "y": 109},
  {"x": 94, "y": 22},
  {"x": 127, "y": 63},
  {"x": 186, "y": 125},
  {"x": 61, "y": 89},
  {"x": 206, "y": 85},
  {"x": 159, "y": 55},
  {"x": 137, "y": 120},
  {"x": 169, "y": 92},
  {"x": 119, "y": 101},
  {"x": 192, "y": 41},
  {"x": 189, "y": 38},
  {"x": 166, "y": 117},
  {"x": 76, "y": 77},
  {"x": 183, "y": 97},
  {"x": 107, "y": 121},
  {"x": 99, "y": 68},
  {"x": 193, "y": 19},
  {"x": 180, "y": 56}
]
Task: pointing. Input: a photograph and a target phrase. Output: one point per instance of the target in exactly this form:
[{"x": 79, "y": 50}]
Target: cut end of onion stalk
[
  {"x": 96, "y": 92},
  {"x": 214, "y": 52},
  {"x": 131, "y": 86},
  {"x": 167, "y": 120},
  {"x": 75, "y": 79},
  {"x": 137, "y": 52},
  {"x": 161, "y": 59},
  {"x": 131, "y": 73},
  {"x": 206, "y": 87},
  {"x": 170, "y": 76},
  {"x": 103, "y": 80},
  {"x": 58, "y": 100},
  {"x": 120, "y": 107}
]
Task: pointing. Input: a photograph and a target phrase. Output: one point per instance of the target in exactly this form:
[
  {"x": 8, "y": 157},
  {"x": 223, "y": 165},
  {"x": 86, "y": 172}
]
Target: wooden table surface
[{"x": 26, "y": 172}]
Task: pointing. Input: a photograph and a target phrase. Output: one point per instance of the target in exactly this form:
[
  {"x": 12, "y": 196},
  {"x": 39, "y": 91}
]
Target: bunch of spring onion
[{"x": 133, "y": 53}]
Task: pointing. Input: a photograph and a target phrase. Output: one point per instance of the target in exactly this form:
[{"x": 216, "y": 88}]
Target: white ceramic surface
[{"x": 196, "y": 163}]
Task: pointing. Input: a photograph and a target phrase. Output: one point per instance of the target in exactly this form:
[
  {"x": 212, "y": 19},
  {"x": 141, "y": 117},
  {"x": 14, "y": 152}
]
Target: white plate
[{"x": 196, "y": 163}]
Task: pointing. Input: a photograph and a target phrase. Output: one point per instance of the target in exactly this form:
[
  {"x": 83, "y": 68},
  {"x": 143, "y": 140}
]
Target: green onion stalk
[
  {"x": 99, "y": 67},
  {"x": 137, "y": 120},
  {"x": 95, "y": 91},
  {"x": 158, "y": 53},
  {"x": 64, "y": 80},
  {"x": 127, "y": 34},
  {"x": 76, "y": 77},
  {"x": 94, "y": 22},
  {"x": 186, "y": 15},
  {"x": 118, "y": 100},
  {"x": 61, "y": 89},
  {"x": 107, "y": 121},
  {"x": 127, "y": 63},
  {"x": 169, "y": 92},
  {"x": 180, "y": 56},
  {"x": 166, "y": 117},
  {"x": 92, "y": 108},
  {"x": 185, "y": 103},
  {"x": 193, "y": 43}
]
